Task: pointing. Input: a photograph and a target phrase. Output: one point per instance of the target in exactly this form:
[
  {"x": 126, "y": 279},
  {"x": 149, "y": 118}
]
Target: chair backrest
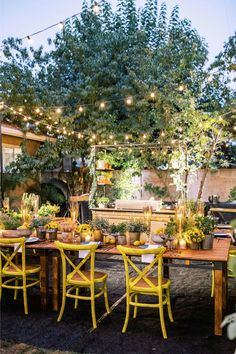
[
  {"x": 76, "y": 268},
  {"x": 231, "y": 265},
  {"x": 142, "y": 272},
  {"x": 15, "y": 245}
]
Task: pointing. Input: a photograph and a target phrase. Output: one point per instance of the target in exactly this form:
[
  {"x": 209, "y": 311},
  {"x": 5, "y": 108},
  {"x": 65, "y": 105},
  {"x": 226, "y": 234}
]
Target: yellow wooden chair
[
  {"x": 79, "y": 278},
  {"x": 17, "y": 272},
  {"x": 231, "y": 267},
  {"x": 144, "y": 284}
]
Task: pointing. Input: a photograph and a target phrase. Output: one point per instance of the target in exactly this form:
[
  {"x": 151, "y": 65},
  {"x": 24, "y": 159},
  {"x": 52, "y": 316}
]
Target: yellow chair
[
  {"x": 79, "y": 278},
  {"x": 231, "y": 267},
  {"x": 16, "y": 272},
  {"x": 144, "y": 284}
]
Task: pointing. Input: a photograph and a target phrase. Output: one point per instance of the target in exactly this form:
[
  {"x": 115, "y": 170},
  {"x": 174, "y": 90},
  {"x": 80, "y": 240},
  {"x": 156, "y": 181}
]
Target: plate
[{"x": 32, "y": 240}]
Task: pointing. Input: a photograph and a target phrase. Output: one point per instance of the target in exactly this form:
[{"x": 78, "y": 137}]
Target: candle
[
  {"x": 87, "y": 238},
  {"x": 182, "y": 244}
]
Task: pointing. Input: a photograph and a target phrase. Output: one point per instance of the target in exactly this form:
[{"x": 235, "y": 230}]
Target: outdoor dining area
[{"x": 117, "y": 178}]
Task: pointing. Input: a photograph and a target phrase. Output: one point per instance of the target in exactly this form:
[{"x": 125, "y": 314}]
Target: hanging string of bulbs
[{"x": 95, "y": 8}]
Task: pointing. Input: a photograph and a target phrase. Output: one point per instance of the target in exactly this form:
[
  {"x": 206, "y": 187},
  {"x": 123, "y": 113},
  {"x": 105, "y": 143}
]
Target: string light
[
  {"x": 81, "y": 109},
  {"x": 129, "y": 101},
  {"x": 180, "y": 88},
  {"x": 111, "y": 136},
  {"x": 58, "y": 110},
  {"x": 30, "y": 40},
  {"x": 126, "y": 137},
  {"x": 102, "y": 105},
  {"x": 94, "y": 137},
  {"x": 37, "y": 110},
  {"x": 162, "y": 134},
  {"x": 96, "y": 8},
  {"x": 152, "y": 95},
  {"x": 20, "y": 109},
  {"x": 60, "y": 25},
  {"x": 144, "y": 136}
]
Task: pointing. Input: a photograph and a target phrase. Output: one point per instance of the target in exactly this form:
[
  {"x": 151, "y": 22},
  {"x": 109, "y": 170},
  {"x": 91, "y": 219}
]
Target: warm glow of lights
[
  {"x": 111, "y": 136},
  {"x": 234, "y": 128},
  {"x": 94, "y": 137},
  {"x": 210, "y": 78},
  {"x": 164, "y": 153},
  {"x": 81, "y": 109},
  {"x": 20, "y": 109},
  {"x": 127, "y": 137},
  {"x": 41, "y": 114},
  {"x": 129, "y": 101},
  {"x": 36, "y": 123},
  {"x": 102, "y": 105},
  {"x": 58, "y": 110},
  {"x": 180, "y": 130},
  {"x": 90, "y": 139},
  {"x": 30, "y": 40},
  {"x": 115, "y": 143},
  {"x": 220, "y": 119},
  {"x": 152, "y": 95},
  {"x": 130, "y": 150},
  {"x": 104, "y": 141},
  {"x": 60, "y": 25},
  {"x": 37, "y": 110},
  {"x": 96, "y": 8},
  {"x": 25, "y": 119},
  {"x": 200, "y": 125},
  {"x": 153, "y": 152},
  {"x": 180, "y": 88},
  {"x": 144, "y": 136},
  {"x": 172, "y": 141},
  {"x": 162, "y": 134},
  {"x": 100, "y": 143},
  {"x": 141, "y": 151}
]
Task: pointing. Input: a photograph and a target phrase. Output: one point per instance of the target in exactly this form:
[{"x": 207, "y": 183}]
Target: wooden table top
[{"x": 219, "y": 252}]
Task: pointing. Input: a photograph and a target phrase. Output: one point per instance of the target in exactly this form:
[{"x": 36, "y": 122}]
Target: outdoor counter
[{"x": 159, "y": 218}]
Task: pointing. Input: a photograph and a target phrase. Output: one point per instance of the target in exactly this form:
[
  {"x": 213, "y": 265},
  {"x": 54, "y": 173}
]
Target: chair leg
[
  {"x": 25, "y": 296},
  {"x": 212, "y": 283},
  {"x": 162, "y": 320},
  {"x": 94, "y": 321},
  {"x": 0, "y": 287},
  {"x": 63, "y": 303},
  {"x": 135, "y": 307},
  {"x": 106, "y": 298},
  {"x": 76, "y": 300},
  {"x": 169, "y": 305},
  {"x": 127, "y": 313},
  {"x": 16, "y": 290}
]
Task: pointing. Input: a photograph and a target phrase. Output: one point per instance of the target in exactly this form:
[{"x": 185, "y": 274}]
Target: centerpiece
[{"x": 52, "y": 227}]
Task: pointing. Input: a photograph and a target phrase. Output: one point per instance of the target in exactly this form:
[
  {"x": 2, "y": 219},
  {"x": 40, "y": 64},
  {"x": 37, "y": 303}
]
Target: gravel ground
[{"x": 191, "y": 332}]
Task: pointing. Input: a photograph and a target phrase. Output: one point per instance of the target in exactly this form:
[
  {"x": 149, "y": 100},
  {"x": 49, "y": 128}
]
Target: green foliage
[
  {"x": 155, "y": 190},
  {"x": 102, "y": 200},
  {"x": 51, "y": 193},
  {"x": 118, "y": 228},
  {"x": 206, "y": 224},
  {"x": 99, "y": 223},
  {"x": 48, "y": 209},
  {"x": 171, "y": 228},
  {"x": 10, "y": 221},
  {"x": 39, "y": 222},
  {"x": 136, "y": 226},
  {"x": 232, "y": 194}
]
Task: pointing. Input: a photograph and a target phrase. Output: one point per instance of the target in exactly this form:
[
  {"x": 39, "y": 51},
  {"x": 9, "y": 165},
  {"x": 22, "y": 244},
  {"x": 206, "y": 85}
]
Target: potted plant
[
  {"x": 194, "y": 236},
  {"x": 48, "y": 209},
  {"x": 102, "y": 202},
  {"x": 206, "y": 224},
  {"x": 98, "y": 225},
  {"x": 134, "y": 228},
  {"x": 52, "y": 227},
  {"x": 39, "y": 225},
  {"x": 121, "y": 229},
  {"x": 9, "y": 222}
]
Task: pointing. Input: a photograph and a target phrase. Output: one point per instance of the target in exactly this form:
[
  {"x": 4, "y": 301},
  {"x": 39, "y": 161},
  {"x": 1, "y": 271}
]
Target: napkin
[
  {"x": 84, "y": 253},
  {"x": 148, "y": 258}
]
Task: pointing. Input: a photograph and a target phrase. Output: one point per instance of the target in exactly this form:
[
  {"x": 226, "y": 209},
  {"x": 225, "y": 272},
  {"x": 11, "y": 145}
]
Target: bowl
[{"x": 157, "y": 238}]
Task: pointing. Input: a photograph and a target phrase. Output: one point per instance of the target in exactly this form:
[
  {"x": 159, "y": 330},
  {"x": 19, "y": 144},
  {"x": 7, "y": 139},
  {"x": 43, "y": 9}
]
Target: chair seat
[
  {"x": 141, "y": 284},
  {"x": 76, "y": 278},
  {"x": 30, "y": 269}
]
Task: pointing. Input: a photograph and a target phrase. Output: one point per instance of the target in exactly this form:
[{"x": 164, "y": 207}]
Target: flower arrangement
[
  {"x": 48, "y": 209},
  {"x": 52, "y": 225},
  {"x": 83, "y": 228},
  {"x": 205, "y": 223},
  {"x": 10, "y": 220},
  {"x": 194, "y": 235}
]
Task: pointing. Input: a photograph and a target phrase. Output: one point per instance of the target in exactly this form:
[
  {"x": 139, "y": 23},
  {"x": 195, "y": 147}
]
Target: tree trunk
[{"x": 202, "y": 183}]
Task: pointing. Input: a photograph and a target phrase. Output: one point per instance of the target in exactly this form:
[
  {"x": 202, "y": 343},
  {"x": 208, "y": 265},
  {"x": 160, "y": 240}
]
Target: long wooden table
[{"x": 217, "y": 257}]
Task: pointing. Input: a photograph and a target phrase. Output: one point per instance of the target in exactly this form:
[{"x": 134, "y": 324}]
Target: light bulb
[
  {"x": 129, "y": 101},
  {"x": 37, "y": 110},
  {"x": 30, "y": 40},
  {"x": 144, "y": 136},
  {"x": 126, "y": 137},
  {"x": 94, "y": 136},
  {"x": 181, "y": 88},
  {"x": 111, "y": 136},
  {"x": 36, "y": 123},
  {"x": 162, "y": 134},
  {"x": 20, "y": 109},
  {"x": 96, "y": 8},
  {"x": 25, "y": 119},
  {"x": 58, "y": 110},
  {"x": 60, "y": 25},
  {"x": 152, "y": 94},
  {"x": 102, "y": 105}
]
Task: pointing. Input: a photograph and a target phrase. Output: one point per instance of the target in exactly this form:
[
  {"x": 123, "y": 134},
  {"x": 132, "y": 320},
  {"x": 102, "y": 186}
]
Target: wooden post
[
  {"x": 44, "y": 281},
  {"x": 55, "y": 282},
  {"x": 218, "y": 274}
]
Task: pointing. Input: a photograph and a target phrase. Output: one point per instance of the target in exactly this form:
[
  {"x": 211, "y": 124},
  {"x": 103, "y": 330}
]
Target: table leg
[
  {"x": 55, "y": 282},
  {"x": 225, "y": 286},
  {"x": 218, "y": 273},
  {"x": 44, "y": 281}
]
